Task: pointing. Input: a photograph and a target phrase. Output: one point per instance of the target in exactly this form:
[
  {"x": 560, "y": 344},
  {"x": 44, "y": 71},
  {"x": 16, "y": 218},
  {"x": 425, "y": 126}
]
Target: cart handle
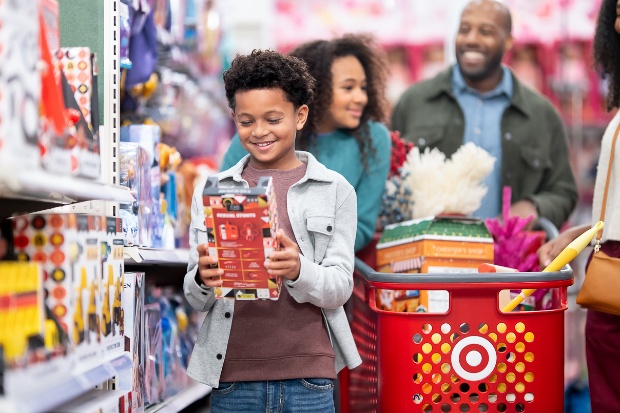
[{"x": 375, "y": 279}]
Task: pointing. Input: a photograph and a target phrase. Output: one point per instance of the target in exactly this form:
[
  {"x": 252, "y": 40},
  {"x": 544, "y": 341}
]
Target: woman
[
  {"x": 602, "y": 330},
  {"x": 344, "y": 129}
]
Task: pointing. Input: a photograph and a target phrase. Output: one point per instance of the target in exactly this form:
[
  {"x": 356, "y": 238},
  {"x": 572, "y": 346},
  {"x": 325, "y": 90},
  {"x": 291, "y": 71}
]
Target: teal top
[{"x": 340, "y": 152}]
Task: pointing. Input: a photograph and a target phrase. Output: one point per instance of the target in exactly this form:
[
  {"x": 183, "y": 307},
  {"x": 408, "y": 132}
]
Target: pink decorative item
[{"x": 512, "y": 242}]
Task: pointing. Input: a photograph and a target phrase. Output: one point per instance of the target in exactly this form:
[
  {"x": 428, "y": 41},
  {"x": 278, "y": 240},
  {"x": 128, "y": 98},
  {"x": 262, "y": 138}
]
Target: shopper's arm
[
  {"x": 399, "y": 116},
  {"x": 557, "y": 196},
  {"x": 330, "y": 284},
  {"x": 234, "y": 153},
  {"x": 372, "y": 185},
  {"x": 199, "y": 297}
]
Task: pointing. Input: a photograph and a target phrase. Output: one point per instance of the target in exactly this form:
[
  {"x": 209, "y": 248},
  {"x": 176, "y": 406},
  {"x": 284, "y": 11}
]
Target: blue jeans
[{"x": 286, "y": 396}]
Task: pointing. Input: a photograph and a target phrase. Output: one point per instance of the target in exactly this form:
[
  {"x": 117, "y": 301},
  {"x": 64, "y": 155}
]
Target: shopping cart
[{"x": 473, "y": 358}]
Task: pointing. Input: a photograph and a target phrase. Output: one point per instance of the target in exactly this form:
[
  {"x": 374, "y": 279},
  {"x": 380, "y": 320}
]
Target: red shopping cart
[{"x": 473, "y": 358}]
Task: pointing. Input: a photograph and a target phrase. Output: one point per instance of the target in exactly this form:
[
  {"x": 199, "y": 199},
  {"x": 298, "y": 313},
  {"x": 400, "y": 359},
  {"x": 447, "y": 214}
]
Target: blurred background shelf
[
  {"x": 42, "y": 388},
  {"x": 29, "y": 191},
  {"x": 181, "y": 400},
  {"x": 156, "y": 256}
]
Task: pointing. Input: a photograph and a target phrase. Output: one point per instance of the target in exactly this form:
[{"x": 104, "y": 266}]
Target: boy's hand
[
  {"x": 285, "y": 262},
  {"x": 210, "y": 275}
]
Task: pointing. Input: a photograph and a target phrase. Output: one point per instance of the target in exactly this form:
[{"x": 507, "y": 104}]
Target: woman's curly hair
[
  {"x": 607, "y": 51},
  {"x": 266, "y": 69},
  {"x": 319, "y": 56}
]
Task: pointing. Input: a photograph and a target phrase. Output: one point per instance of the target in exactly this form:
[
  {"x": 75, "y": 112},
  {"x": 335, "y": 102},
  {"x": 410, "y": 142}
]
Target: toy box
[
  {"x": 135, "y": 173},
  {"x": 22, "y": 313},
  {"x": 154, "y": 381},
  {"x": 132, "y": 328},
  {"x": 20, "y": 84},
  {"x": 113, "y": 266},
  {"x": 50, "y": 240},
  {"x": 430, "y": 245},
  {"x": 87, "y": 287},
  {"x": 241, "y": 225}
]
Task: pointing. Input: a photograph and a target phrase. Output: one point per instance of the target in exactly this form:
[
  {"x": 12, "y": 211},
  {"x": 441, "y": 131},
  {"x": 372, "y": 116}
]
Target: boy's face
[{"x": 267, "y": 124}]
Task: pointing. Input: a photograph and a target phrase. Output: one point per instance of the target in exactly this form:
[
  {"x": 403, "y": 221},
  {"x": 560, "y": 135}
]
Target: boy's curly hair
[
  {"x": 607, "y": 51},
  {"x": 266, "y": 69},
  {"x": 319, "y": 56}
]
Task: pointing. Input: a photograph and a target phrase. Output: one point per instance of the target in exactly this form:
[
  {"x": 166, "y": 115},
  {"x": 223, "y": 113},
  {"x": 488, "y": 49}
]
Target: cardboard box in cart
[
  {"x": 442, "y": 244},
  {"x": 241, "y": 225}
]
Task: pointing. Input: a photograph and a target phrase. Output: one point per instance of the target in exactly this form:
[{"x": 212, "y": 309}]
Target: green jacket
[{"x": 534, "y": 146}]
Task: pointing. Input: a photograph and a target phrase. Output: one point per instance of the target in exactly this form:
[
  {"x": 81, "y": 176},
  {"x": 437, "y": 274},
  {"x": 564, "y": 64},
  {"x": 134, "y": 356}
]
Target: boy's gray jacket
[{"x": 322, "y": 208}]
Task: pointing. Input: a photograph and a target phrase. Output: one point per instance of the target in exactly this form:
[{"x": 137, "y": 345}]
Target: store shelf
[
  {"x": 41, "y": 388},
  {"x": 181, "y": 400},
  {"x": 29, "y": 191},
  {"x": 155, "y": 256}
]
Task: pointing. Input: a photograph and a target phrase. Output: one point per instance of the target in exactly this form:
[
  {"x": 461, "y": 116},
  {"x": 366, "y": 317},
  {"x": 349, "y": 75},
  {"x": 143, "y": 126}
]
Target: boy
[{"x": 278, "y": 355}]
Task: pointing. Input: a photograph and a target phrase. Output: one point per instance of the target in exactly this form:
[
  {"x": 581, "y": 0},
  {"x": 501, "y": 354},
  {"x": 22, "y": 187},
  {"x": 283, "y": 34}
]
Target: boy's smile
[{"x": 267, "y": 124}]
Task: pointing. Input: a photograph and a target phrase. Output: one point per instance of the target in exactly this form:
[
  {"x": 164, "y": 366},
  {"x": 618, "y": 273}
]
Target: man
[{"x": 481, "y": 101}]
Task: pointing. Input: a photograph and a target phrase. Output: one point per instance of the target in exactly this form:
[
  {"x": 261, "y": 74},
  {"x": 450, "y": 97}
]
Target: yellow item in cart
[{"x": 567, "y": 255}]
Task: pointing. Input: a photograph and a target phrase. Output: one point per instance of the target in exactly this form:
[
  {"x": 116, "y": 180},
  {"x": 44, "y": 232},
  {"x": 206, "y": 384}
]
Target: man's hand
[
  {"x": 210, "y": 275},
  {"x": 285, "y": 262},
  {"x": 524, "y": 209}
]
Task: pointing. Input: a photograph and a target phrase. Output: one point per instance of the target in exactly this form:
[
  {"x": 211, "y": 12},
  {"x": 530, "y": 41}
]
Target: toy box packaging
[
  {"x": 135, "y": 173},
  {"x": 20, "y": 84},
  {"x": 430, "y": 245},
  {"x": 51, "y": 241},
  {"x": 112, "y": 266},
  {"x": 132, "y": 328},
  {"x": 241, "y": 224},
  {"x": 87, "y": 287},
  {"x": 77, "y": 66},
  {"x": 22, "y": 312},
  {"x": 149, "y": 138},
  {"x": 154, "y": 381}
]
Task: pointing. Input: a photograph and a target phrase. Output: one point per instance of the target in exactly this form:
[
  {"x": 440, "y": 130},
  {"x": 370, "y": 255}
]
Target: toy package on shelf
[
  {"x": 241, "y": 224},
  {"x": 50, "y": 240},
  {"x": 132, "y": 328},
  {"x": 20, "y": 83},
  {"x": 441, "y": 244},
  {"x": 77, "y": 66},
  {"x": 22, "y": 313},
  {"x": 113, "y": 267},
  {"x": 86, "y": 287},
  {"x": 135, "y": 173},
  {"x": 154, "y": 381},
  {"x": 148, "y": 137}
]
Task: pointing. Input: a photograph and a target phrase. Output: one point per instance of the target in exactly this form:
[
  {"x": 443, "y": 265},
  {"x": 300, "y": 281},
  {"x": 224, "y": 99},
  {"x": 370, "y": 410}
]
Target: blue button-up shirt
[{"x": 483, "y": 126}]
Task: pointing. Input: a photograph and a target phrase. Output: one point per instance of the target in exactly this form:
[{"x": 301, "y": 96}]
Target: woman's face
[
  {"x": 349, "y": 96},
  {"x": 617, "y": 25}
]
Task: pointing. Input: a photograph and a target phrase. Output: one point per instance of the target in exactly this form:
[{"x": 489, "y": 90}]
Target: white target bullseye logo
[{"x": 473, "y": 358}]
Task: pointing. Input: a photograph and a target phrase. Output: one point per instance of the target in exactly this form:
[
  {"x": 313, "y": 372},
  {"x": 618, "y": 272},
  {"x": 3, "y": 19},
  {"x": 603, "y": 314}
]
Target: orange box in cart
[
  {"x": 443, "y": 244},
  {"x": 241, "y": 224}
]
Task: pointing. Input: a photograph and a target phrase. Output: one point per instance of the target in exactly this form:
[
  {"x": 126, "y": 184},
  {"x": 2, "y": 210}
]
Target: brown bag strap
[{"x": 599, "y": 235}]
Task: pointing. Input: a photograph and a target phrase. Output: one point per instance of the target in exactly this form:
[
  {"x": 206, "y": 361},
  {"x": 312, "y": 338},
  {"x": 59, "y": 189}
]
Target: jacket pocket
[
  {"x": 424, "y": 137},
  {"x": 535, "y": 159},
  {"x": 321, "y": 228}
]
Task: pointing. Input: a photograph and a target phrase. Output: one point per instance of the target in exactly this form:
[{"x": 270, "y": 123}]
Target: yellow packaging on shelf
[{"x": 21, "y": 310}]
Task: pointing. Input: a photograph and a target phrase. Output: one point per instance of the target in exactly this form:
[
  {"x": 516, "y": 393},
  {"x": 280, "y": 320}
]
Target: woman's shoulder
[{"x": 379, "y": 134}]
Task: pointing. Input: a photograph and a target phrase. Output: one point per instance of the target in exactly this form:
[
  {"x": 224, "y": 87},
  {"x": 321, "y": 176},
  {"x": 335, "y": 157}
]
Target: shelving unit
[
  {"x": 181, "y": 400},
  {"x": 30, "y": 191},
  {"x": 41, "y": 388},
  {"x": 155, "y": 256}
]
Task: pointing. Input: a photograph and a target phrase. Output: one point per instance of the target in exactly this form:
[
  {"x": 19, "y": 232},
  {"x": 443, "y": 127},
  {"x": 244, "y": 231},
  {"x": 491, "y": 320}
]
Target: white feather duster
[{"x": 453, "y": 186}]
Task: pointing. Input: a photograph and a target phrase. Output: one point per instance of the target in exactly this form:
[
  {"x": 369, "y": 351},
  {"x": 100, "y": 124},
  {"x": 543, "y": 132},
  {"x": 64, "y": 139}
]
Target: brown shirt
[{"x": 283, "y": 339}]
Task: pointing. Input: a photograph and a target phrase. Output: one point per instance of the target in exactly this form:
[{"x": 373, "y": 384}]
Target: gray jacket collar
[{"x": 315, "y": 170}]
